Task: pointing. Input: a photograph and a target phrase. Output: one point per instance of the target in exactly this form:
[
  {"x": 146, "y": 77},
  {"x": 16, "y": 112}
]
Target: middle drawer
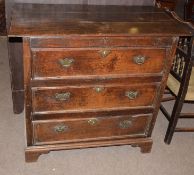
[
  {"x": 63, "y": 99},
  {"x": 72, "y": 63}
]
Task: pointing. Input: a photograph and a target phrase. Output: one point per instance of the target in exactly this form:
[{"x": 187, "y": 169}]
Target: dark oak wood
[
  {"x": 46, "y": 62},
  {"x": 87, "y": 114},
  {"x": 86, "y": 41},
  {"x": 88, "y": 98},
  {"x": 188, "y": 10},
  {"x": 164, "y": 111},
  {"x": 93, "y": 20},
  {"x": 187, "y": 115},
  {"x": 3, "y": 30},
  {"x": 93, "y": 75},
  {"x": 32, "y": 156},
  {"x": 90, "y": 129},
  {"x": 33, "y": 152},
  {"x": 96, "y": 80},
  {"x": 54, "y": 11},
  {"x": 27, "y": 92},
  {"x": 184, "y": 129},
  {"x": 10, "y": 3},
  {"x": 16, "y": 73},
  {"x": 168, "y": 98},
  {"x": 170, "y": 4}
]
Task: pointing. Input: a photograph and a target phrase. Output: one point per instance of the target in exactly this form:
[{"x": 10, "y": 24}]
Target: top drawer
[{"x": 72, "y": 63}]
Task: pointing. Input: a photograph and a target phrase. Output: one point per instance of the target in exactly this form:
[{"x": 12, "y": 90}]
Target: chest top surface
[{"x": 61, "y": 20}]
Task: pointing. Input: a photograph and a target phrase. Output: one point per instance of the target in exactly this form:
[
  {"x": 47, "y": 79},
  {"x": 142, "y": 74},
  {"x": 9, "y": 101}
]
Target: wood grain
[
  {"x": 94, "y": 114},
  {"x": 90, "y": 42},
  {"x": 97, "y": 97},
  {"x": 15, "y": 51},
  {"x": 30, "y": 19},
  {"x": 46, "y": 63},
  {"x": 80, "y": 129},
  {"x": 33, "y": 152},
  {"x": 86, "y": 98}
]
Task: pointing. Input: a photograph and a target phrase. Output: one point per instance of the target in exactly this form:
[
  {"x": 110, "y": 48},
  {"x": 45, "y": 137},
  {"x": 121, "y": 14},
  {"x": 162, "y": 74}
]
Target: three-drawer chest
[{"x": 93, "y": 75}]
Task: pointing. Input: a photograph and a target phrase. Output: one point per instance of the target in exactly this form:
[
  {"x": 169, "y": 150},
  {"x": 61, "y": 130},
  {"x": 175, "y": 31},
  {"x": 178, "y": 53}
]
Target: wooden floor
[{"x": 2, "y": 19}]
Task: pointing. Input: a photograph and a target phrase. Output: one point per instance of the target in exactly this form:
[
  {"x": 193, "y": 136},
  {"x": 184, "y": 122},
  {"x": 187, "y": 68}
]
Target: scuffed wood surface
[{"x": 98, "y": 20}]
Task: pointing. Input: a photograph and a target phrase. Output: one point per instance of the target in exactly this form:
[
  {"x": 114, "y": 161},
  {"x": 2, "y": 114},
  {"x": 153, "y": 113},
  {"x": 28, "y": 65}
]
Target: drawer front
[
  {"x": 74, "y": 130},
  {"x": 93, "y": 97},
  {"x": 74, "y": 63},
  {"x": 84, "y": 42}
]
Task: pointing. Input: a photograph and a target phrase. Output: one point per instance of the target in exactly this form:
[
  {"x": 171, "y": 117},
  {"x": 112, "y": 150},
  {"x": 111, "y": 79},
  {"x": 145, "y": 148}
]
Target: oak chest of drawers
[{"x": 93, "y": 75}]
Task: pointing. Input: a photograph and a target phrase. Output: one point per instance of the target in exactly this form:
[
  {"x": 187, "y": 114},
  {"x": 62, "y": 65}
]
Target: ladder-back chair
[{"x": 180, "y": 87}]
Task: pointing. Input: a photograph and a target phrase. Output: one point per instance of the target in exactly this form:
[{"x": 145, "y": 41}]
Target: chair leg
[
  {"x": 178, "y": 103},
  {"x": 173, "y": 120}
]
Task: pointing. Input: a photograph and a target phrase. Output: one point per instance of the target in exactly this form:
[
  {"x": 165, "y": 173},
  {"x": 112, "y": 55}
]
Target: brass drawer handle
[
  {"x": 61, "y": 128},
  {"x": 139, "y": 59},
  {"x": 131, "y": 94},
  {"x": 93, "y": 121},
  {"x": 99, "y": 89},
  {"x": 104, "y": 53},
  {"x": 62, "y": 96},
  {"x": 66, "y": 62},
  {"x": 125, "y": 124}
]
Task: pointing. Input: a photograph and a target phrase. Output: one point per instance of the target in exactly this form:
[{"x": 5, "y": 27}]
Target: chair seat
[{"x": 174, "y": 86}]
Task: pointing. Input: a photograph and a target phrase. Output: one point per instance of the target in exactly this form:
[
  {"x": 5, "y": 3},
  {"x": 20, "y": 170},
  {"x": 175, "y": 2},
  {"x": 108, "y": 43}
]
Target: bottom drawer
[{"x": 76, "y": 130}]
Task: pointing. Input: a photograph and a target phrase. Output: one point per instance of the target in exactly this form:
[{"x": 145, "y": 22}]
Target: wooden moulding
[
  {"x": 32, "y": 153},
  {"x": 87, "y": 114},
  {"x": 16, "y": 73},
  {"x": 91, "y": 42}
]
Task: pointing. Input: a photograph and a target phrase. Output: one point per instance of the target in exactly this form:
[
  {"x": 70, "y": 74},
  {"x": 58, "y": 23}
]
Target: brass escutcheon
[
  {"x": 139, "y": 59},
  {"x": 63, "y": 96},
  {"x": 125, "y": 124},
  {"x": 104, "y": 53},
  {"x": 131, "y": 94},
  {"x": 99, "y": 89},
  {"x": 66, "y": 62},
  {"x": 61, "y": 128},
  {"x": 93, "y": 121}
]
